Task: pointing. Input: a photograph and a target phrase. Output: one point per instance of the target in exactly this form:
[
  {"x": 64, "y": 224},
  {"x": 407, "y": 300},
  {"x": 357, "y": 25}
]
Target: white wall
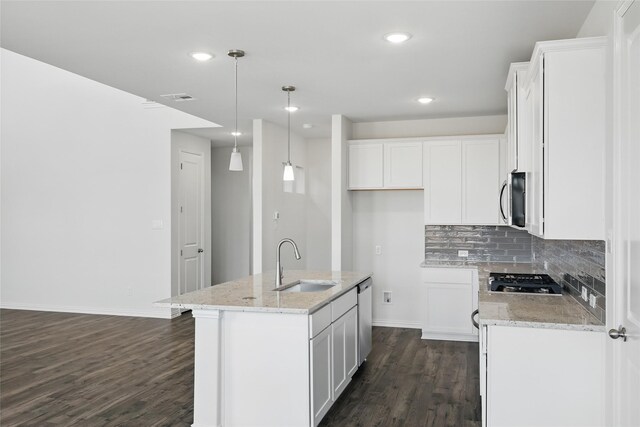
[
  {"x": 431, "y": 127},
  {"x": 185, "y": 142},
  {"x": 291, "y": 206},
  {"x": 85, "y": 171},
  {"x": 318, "y": 204},
  {"x": 231, "y": 216},
  {"x": 600, "y": 19},
  {"x": 394, "y": 220}
]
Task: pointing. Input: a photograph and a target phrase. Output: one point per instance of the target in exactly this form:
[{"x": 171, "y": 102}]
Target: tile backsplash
[
  {"x": 575, "y": 264},
  {"x": 484, "y": 243}
]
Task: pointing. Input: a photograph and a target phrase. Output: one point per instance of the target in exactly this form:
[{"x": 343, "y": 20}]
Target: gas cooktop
[{"x": 524, "y": 283}]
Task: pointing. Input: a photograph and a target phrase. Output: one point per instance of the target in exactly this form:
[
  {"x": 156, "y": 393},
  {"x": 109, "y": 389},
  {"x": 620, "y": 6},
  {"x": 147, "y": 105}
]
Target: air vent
[
  {"x": 148, "y": 105},
  {"x": 178, "y": 97}
]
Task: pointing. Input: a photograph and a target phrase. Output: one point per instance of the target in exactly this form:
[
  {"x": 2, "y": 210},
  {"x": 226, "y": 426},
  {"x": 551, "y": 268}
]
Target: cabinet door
[
  {"x": 480, "y": 181},
  {"x": 403, "y": 164},
  {"x": 535, "y": 174},
  {"x": 452, "y": 295},
  {"x": 512, "y": 126},
  {"x": 526, "y": 365},
  {"x": 442, "y": 182},
  {"x": 345, "y": 350},
  {"x": 365, "y": 166},
  {"x": 321, "y": 390}
]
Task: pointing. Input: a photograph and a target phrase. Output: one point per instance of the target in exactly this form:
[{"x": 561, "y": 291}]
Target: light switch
[
  {"x": 157, "y": 224},
  {"x": 378, "y": 250}
]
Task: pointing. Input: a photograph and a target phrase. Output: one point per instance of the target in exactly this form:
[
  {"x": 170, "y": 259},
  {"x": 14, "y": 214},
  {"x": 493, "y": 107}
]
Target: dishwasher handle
[
  {"x": 364, "y": 285},
  {"x": 473, "y": 320}
]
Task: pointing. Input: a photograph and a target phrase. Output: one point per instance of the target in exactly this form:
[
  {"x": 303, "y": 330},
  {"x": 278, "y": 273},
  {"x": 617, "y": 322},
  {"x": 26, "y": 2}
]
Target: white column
[{"x": 207, "y": 389}]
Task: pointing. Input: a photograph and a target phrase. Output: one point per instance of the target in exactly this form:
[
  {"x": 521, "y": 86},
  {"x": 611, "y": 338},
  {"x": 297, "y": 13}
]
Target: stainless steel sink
[{"x": 307, "y": 286}]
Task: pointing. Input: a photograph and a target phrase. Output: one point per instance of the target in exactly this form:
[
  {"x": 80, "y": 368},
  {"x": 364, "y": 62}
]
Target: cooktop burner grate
[{"x": 524, "y": 283}]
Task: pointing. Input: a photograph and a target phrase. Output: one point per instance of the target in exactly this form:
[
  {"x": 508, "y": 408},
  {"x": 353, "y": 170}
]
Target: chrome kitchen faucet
[{"x": 279, "y": 269}]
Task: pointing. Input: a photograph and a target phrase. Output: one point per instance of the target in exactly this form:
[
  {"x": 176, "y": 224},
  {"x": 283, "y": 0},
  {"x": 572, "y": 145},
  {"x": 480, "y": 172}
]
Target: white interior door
[
  {"x": 191, "y": 221},
  {"x": 626, "y": 278}
]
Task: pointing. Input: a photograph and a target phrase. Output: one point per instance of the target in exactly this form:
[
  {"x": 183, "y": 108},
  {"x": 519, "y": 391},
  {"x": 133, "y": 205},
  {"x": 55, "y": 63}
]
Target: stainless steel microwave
[{"x": 512, "y": 199}]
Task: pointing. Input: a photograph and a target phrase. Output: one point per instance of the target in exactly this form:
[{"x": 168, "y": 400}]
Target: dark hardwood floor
[{"x": 59, "y": 369}]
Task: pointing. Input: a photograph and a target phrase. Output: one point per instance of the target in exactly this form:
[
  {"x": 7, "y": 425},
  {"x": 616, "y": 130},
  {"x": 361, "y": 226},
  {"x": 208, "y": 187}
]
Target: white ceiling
[{"x": 332, "y": 51}]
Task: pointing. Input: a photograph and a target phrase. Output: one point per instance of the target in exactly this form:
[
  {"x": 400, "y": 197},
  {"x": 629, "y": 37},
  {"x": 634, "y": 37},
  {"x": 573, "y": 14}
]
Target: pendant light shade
[
  {"x": 288, "y": 174},
  {"x": 235, "y": 163}
]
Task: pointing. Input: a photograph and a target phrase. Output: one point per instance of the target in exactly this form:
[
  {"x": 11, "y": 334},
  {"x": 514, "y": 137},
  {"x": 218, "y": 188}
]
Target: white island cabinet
[{"x": 272, "y": 358}]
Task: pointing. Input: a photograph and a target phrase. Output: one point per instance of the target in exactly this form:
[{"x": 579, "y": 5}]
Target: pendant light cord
[
  {"x": 289, "y": 127},
  {"x": 235, "y": 134}
]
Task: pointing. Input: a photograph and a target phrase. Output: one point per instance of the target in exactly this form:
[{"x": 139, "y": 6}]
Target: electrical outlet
[
  {"x": 276, "y": 215},
  {"x": 592, "y": 300},
  {"x": 584, "y": 293},
  {"x": 378, "y": 250},
  {"x": 546, "y": 265},
  {"x": 463, "y": 254},
  {"x": 386, "y": 297},
  {"x": 129, "y": 291}
]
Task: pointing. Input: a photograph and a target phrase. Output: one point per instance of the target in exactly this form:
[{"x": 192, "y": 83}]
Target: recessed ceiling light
[
  {"x": 291, "y": 109},
  {"x": 236, "y": 133},
  {"x": 425, "y": 100},
  {"x": 397, "y": 37},
  {"x": 201, "y": 56}
]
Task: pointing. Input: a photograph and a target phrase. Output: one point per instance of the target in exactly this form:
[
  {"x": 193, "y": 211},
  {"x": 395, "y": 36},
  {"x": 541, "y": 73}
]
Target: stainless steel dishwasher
[{"x": 364, "y": 320}]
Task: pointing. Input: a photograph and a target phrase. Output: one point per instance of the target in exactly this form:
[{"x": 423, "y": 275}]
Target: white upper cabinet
[
  {"x": 377, "y": 165},
  {"x": 443, "y": 182},
  {"x": 462, "y": 180},
  {"x": 480, "y": 181},
  {"x": 515, "y": 101},
  {"x": 403, "y": 165},
  {"x": 565, "y": 139},
  {"x": 365, "y": 165}
]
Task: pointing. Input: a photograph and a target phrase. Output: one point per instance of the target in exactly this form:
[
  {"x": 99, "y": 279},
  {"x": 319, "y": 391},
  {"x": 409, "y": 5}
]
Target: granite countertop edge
[{"x": 230, "y": 296}]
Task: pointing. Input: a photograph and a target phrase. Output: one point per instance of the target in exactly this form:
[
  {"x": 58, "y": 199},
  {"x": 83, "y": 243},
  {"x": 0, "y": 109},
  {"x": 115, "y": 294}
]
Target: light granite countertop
[
  {"x": 508, "y": 309},
  {"x": 255, "y": 293}
]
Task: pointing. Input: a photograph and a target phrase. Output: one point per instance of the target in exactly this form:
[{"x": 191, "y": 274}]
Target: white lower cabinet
[
  {"x": 321, "y": 389},
  {"x": 333, "y": 352},
  {"x": 345, "y": 350},
  {"x": 537, "y": 377},
  {"x": 452, "y": 296}
]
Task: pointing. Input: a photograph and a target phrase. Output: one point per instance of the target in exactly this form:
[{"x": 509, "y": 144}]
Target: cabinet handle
[
  {"x": 504, "y": 217},
  {"x": 473, "y": 320}
]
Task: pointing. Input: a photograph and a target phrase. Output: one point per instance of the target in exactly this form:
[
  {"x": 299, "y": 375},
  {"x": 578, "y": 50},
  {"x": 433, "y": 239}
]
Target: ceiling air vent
[{"x": 178, "y": 97}]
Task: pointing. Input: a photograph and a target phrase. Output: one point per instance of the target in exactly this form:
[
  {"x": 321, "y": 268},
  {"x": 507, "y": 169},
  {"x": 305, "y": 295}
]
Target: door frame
[
  {"x": 615, "y": 217},
  {"x": 184, "y": 142}
]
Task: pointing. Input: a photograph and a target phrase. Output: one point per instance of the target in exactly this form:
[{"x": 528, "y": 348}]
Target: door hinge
[
  {"x": 180, "y": 166},
  {"x": 180, "y": 252},
  {"x": 180, "y": 209}
]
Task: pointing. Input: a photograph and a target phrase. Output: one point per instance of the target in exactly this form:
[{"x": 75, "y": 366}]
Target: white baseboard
[
  {"x": 426, "y": 335},
  {"x": 397, "y": 324},
  {"x": 158, "y": 313}
]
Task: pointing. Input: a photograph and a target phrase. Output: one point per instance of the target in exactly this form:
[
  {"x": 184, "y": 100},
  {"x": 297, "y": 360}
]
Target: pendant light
[
  {"x": 235, "y": 163},
  {"x": 288, "y": 167}
]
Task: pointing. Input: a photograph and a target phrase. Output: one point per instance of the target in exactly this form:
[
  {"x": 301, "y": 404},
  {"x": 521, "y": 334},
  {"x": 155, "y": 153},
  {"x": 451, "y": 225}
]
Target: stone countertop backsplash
[
  {"x": 537, "y": 311},
  {"x": 256, "y": 293}
]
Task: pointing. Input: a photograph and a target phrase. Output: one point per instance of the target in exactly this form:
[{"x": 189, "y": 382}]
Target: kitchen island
[{"x": 272, "y": 358}]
